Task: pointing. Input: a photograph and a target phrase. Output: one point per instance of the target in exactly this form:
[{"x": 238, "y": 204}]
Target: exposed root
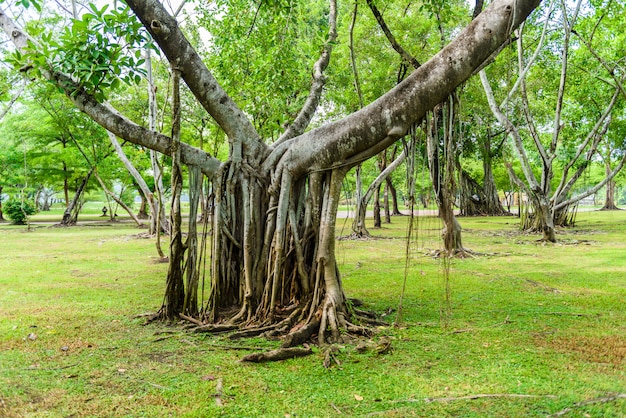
[
  {"x": 330, "y": 358},
  {"x": 303, "y": 334},
  {"x": 252, "y": 332},
  {"x": 192, "y": 320},
  {"x": 277, "y": 355},
  {"x": 457, "y": 253},
  {"x": 215, "y": 329}
]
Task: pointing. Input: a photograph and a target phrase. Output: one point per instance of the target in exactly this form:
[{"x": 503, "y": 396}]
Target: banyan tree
[{"x": 272, "y": 263}]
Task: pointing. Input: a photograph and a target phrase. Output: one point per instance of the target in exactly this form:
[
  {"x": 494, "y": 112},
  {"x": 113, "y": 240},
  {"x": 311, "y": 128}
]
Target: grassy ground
[{"x": 522, "y": 329}]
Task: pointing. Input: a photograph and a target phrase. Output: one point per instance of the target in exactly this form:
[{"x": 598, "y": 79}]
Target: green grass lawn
[{"x": 524, "y": 329}]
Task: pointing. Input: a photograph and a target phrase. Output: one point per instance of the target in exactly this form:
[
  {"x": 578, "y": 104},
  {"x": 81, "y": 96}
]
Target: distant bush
[{"x": 18, "y": 211}]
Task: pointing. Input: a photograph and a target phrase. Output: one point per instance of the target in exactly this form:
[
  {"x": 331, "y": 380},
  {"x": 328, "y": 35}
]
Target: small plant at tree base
[{"x": 18, "y": 211}]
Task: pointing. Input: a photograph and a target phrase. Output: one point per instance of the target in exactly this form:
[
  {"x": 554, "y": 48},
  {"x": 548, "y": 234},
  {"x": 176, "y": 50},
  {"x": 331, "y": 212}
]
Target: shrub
[{"x": 18, "y": 211}]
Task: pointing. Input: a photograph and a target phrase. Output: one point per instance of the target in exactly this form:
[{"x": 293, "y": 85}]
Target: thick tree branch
[
  {"x": 166, "y": 32},
  {"x": 385, "y": 120}
]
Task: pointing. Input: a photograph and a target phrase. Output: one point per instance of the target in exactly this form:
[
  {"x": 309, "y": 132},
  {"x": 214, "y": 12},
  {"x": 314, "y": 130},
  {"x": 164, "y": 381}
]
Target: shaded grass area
[{"x": 538, "y": 328}]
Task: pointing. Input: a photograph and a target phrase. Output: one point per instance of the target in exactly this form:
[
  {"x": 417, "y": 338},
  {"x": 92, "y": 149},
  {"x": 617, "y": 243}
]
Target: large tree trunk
[
  {"x": 474, "y": 199},
  {"x": 546, "y": 220},
  {"x": 477, "y": 200},
  {"x": 539, "y": 217}
]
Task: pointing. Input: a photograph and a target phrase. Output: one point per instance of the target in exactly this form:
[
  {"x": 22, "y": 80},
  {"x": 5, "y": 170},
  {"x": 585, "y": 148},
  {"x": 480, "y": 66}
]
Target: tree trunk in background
[
  {"x": 1, "y": 214},
  {"x": 66, "y": 186},
  {"x": 358, "y": 226},
  {"x": 386, "y": 203},
  {"x": 70, "y": 216},
  {"x": 118, "y": 201},
  {"x": 376, "y": 208},
  {"x": 394, "y": 197},
  {"x": 142, "y": 213},
  {"x": 493, "y": 204},
  {"x": 609, "y": 201},
  {"x": 476, "y": 200}
]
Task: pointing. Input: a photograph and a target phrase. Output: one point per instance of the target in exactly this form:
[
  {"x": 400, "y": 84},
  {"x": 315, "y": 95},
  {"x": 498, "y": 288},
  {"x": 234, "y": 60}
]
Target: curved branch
[
  {"x": 166, "y": 32},
  {"x": 305, "y": 116},
  {"x": 389, "y": 117}
]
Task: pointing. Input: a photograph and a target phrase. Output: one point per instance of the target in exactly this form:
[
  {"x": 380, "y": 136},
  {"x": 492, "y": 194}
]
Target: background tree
[{"x": 579, "y": 121}]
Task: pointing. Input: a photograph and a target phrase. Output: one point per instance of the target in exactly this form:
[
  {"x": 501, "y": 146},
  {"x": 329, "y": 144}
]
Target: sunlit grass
[{"x": 524, "y": 318}]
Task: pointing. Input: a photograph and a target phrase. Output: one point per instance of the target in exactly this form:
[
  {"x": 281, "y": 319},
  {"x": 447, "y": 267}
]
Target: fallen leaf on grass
[{"x": 358, "y": 397}]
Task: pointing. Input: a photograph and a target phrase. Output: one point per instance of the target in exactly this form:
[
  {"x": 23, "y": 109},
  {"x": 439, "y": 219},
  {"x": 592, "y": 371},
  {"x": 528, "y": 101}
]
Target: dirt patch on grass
[{"x": 606, "y": 349}]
